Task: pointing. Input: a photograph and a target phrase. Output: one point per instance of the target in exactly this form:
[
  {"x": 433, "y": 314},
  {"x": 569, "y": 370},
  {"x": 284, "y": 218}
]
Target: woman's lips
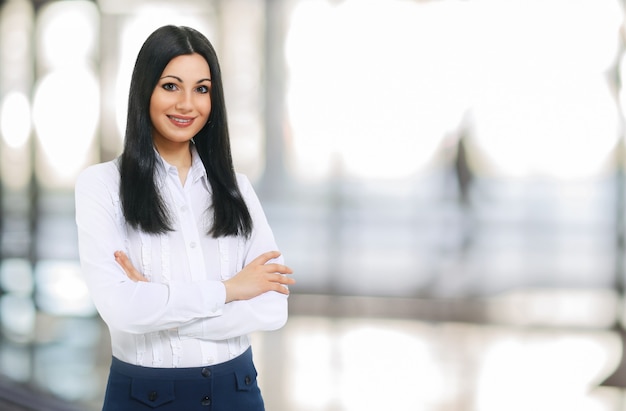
[{"x": 181, "y": 121}]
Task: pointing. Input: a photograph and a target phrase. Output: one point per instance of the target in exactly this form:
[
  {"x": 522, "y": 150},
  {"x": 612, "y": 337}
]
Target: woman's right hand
[
  {"x": 122, "y": 259},
  {"x": 258, "y": 277}
]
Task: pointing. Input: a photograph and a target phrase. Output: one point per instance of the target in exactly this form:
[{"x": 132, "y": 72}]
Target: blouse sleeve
[
  {"x": 263, "y": 313},
  {"x": 133, "y": 307}
]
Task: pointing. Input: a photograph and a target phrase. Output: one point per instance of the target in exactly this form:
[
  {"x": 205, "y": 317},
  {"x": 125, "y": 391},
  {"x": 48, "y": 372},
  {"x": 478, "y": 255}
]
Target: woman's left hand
[{"x": 122, "y": 259}]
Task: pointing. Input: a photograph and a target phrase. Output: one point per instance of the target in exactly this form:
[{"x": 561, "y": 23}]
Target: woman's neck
[{"x": 178, "y": 156}]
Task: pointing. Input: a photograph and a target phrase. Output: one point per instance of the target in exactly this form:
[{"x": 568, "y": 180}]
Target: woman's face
[{"x": 181, "y": 101}]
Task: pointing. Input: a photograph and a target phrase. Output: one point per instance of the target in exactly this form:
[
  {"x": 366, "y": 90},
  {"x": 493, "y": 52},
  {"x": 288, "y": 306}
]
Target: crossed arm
[
  {"x": 256, "y": 278},
  {"x": 204, "y": 309}
]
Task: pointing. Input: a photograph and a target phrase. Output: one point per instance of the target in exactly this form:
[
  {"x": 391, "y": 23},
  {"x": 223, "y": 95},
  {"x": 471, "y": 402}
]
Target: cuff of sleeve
[
  {"x": 214, "y": 298},
  {"x": 213, "y": 301},
  {"x": 194, "y": 329},
  {"x": 199, "y": 299}
]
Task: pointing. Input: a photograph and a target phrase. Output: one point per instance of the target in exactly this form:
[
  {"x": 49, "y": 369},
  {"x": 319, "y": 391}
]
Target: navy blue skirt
[{"x": 230, "y": 386}]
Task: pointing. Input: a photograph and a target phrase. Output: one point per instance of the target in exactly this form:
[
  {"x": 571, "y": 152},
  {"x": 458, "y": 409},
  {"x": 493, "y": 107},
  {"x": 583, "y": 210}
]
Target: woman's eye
[
  {"x": 203, "y": 89},
  {"x": 169, "y": 87}
]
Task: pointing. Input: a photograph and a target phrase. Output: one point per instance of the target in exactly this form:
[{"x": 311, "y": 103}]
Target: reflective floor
[
  {"x": 369, "y": 364},
  {"x": 322, "y": 361}
]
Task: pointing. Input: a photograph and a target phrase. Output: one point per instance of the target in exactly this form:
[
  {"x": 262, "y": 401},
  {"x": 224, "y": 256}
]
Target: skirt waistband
[{"x": 138, "y": 371}]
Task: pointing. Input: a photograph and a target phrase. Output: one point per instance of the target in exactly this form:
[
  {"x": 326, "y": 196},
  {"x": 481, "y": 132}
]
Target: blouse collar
[{"x": 196, "y": 172}]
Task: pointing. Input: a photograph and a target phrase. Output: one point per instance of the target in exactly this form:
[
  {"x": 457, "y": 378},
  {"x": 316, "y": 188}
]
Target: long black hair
[{"x": 142, "y": 204}]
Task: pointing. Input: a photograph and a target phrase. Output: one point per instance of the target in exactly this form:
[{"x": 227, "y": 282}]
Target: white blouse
[{"x": 178, "y": 318}]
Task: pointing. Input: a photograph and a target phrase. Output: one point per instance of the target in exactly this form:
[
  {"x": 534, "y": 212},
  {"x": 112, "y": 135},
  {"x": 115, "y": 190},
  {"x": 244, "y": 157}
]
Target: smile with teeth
[{"x": 180, "y": 120}]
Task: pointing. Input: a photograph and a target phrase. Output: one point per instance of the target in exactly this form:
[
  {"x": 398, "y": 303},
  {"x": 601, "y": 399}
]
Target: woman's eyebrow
[{"x": 181, "y": 80}]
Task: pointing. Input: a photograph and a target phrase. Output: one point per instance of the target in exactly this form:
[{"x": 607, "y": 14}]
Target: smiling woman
[
  {"x": 180, "y": 107},
  {"x": 174, "y": 246}
]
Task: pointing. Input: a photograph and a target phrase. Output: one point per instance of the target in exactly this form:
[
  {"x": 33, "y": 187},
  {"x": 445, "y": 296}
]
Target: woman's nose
[{"x": 184, "y": 102}]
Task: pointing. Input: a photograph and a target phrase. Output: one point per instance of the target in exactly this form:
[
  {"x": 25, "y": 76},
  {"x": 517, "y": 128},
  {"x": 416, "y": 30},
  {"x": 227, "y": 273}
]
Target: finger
[
  {"x": 265, "y": 257},
  {"x": 278, "y": 268},
  {"x": 282, "y": 279},
  {"x": 130, "y": 271},
  {"x": 280, "y": 289},
  {"x": 136, "y": 276},
  {"x": 123, "y": 260}
]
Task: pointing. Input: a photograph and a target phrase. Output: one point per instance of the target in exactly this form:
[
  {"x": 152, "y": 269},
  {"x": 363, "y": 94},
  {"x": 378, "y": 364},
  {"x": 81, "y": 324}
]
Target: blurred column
[
  {"x": 110, "y": 138},
  {"x": 275, "y": 74},
  {"x": 240, "y": 24},
  {"x": 16, "y": 81},
  {"x": 618, "y": 76},
  {"x": 18, "y": 194},
  {"x": 66, "y": 119},
  {"x": 67, "y": 94},
  {"x": 18, "y": 212}
]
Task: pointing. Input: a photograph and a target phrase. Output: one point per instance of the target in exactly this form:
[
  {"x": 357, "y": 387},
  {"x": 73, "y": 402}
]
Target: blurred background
[{"x": 446, "y": 178}]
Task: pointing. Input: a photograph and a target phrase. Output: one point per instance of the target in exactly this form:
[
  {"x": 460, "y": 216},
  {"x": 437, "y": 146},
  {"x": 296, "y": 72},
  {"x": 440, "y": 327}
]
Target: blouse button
[
  {"x": 206, "y": 400},
  {"x": 192, "y": 244},
  {"x": 184, "y": 209}
]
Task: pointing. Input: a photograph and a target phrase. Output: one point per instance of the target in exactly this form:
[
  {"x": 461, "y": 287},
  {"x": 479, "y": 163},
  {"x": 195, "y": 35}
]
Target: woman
[{"x": 175, "y": 248}]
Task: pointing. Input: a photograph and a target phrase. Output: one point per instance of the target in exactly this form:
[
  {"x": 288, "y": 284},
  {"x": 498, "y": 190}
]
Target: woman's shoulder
[
  {"x": 242, "y": 178},
  {"x": 106, "y": 173},
  {"x": 244, "y": 183}
]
